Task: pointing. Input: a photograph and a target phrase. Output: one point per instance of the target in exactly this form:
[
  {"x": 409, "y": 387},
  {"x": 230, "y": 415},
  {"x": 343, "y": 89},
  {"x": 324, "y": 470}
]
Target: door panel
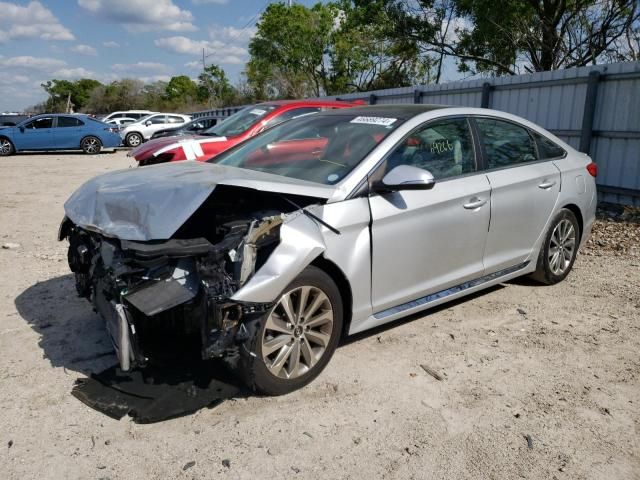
[
  {"x": 37, "y": 135},
  {"x": 425, "y": 241},
  {"x": 68, "y": 132},
  {"x": 522, "y": 199}
]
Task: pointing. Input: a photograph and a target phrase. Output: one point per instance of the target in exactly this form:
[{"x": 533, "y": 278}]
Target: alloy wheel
[
  {"x": 91, "y": 145},
  {"x": 134, "y": 140},
  {"x": 562, "y": 247},
  {"x": 5, "y": 147},
  {"x": 297, "y": 332}
]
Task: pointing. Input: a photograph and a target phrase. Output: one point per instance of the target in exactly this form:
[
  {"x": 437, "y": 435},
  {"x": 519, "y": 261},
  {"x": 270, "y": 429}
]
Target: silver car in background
[{"x": 326, "y": 225}]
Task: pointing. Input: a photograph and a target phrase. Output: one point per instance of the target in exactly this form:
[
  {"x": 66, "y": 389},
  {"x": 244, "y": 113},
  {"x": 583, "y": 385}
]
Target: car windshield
[
  {"x": 145, "y": 118},
  {"x": 321, "y": 148},
  {"x": 239, "y": 122}
]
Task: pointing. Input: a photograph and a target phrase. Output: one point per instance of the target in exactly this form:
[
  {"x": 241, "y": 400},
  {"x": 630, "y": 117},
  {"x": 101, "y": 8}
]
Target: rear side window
[
  {"x": 69, "y": 122},
  {"x": 546, "y": 148},
  {"x": 175, "y": 119},
  {"x": 505, "y": 143}
]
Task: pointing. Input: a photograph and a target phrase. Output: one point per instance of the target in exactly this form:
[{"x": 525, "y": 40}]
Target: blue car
[{"x": 59, "y": 132}]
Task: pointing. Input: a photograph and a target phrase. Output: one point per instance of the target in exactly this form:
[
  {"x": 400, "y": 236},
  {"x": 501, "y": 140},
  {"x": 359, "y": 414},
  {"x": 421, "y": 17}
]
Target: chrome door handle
[
  {"x": 474, "y": 203},
  {"x": 546, "y": 185}
]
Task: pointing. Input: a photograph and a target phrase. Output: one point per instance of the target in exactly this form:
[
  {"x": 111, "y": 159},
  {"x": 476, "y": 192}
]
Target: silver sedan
[{"x": 324, "y": 226}]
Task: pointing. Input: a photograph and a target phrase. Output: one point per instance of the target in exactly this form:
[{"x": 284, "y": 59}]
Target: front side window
[
  {"x": 241, "y": 121},
  {"x": 40, "y": 123},
  {"x": 320, "y": 148},
  {"x": 175, "y": 119},
  {"x": 505, "y": 143},
  {"x": 69, "y": 122},
  {"x": 444, "y": 148}
]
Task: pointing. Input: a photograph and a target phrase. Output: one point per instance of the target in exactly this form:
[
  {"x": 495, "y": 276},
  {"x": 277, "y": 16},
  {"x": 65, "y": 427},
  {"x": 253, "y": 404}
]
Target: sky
[{"x": 112, "y": 39}]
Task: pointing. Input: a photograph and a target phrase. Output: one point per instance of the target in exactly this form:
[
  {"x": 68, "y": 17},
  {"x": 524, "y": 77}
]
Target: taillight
[
  {"x": 112, "y": 129},
  {"x": 592, "y": 168}
]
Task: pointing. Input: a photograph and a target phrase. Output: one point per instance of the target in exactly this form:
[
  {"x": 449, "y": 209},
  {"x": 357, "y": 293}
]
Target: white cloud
[
  {"x": 217, "y": 51},
  {"x": 210, "y": 2},
  {"x": 28, "y": 62},
  {"x": 30, "y": 21},
  {"x": 232, "y": 34},
  {"x": 145, "y": 67},
  {"x": 111, "y": 44},
  {"x": 73, "y": 73},
  {"x": 84, "y": 50},
  {"x": 142, "y": 15}
]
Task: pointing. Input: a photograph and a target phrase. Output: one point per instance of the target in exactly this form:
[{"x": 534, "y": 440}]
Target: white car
[
  {"x": 135, "y": 114},
  {"x": 121, "y": 121},
  {"x": 136, "y": 133}
]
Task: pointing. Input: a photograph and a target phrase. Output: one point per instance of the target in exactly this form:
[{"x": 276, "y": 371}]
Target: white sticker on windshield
[
  {"x": 257, "y": 111},
  {"x": 383, "y": 121},
  {"x": 332, "y": 178}
]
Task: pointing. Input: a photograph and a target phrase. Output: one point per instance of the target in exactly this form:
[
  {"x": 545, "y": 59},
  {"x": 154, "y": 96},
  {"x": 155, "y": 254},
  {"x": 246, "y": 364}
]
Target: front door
[
  {"x": 425, "y": 241},
  {"x": 36, "y": 135},
  {"x": 524, "y": 192}
]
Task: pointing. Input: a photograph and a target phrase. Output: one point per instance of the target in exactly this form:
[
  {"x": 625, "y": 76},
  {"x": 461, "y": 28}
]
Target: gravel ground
[{"x": 537, "y": 382}]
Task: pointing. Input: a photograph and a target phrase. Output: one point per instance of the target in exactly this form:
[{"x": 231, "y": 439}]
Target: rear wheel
[
  {"x": 91, "y": 145},
  {"x": 133, "y": 139},
  {"x": 290, "y": 345},
  {"x": 6, "y": 147},
  {"x": 559, "y": 250}
]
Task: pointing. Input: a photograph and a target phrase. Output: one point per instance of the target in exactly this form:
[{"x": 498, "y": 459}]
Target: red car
[{"x": 242, "y": 125}]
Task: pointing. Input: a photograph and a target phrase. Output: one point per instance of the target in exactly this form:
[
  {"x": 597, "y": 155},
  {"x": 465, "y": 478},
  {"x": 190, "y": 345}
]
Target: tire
[
  {"x": 6, "y": 147},
  {"x": 559, "y": 250},
  {"x": 260, "y": 370},
  {"x": 91, "y": 145},
  {"x": 133, "y": 139}
]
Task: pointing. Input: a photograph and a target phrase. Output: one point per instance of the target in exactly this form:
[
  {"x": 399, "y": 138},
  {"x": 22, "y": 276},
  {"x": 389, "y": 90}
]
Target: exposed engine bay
[{"x": 162, "y": 298}]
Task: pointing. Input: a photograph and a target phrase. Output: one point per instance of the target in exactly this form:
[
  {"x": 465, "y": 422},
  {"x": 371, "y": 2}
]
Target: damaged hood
[{"x": 152, "y": 203}]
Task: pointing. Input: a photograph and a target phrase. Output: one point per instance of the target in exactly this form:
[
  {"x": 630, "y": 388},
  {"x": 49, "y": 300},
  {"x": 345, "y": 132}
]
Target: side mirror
[
  {"x": 21, "y": 129},
  {"x": 405, "y": 177},
  {"x": 147, "y": 123}
]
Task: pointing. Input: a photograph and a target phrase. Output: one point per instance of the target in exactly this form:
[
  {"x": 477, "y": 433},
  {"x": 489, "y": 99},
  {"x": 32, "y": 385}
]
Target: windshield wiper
[{"x": 311, "y": 215}]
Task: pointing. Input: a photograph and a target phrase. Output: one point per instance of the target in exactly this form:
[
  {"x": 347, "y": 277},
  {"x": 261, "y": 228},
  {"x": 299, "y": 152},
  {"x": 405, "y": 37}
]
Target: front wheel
[
  {"x": 91, "y": 145},
  {"x": 6, "y": 147},
  {"x": 559, "y": 250},
  {"x": 133, "y": 139},
  {"x": 292, "y": 343}
]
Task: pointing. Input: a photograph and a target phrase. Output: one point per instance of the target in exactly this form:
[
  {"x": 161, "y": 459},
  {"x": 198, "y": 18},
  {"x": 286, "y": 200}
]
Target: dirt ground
[{"x": 559, "y": 364}]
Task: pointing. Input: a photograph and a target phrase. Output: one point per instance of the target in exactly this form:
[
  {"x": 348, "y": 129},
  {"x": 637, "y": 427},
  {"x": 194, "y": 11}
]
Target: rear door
[
  {"x": 425, "y": 241},
  {"x": 68, "y": 132},
  {"x": 524, "y": 191},
  {"x": 36, "y": 135}
]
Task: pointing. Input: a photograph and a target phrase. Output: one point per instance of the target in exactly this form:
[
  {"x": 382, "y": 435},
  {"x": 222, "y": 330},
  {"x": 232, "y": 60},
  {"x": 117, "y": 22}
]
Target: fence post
[
  {"x": 586, "y": 132},
  {"x": 372, "y": 99},
  {"x": 417, "y": 96},
  {"x": 486, "y": 95}
]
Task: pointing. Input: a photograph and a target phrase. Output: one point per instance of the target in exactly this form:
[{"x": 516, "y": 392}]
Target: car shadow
[
  {"x": 79, "y": 153},
  {"x": 75, "y": 338}
]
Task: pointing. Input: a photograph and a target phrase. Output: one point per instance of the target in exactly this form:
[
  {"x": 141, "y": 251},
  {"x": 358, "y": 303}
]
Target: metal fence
[{"x": 595, "y": 109}]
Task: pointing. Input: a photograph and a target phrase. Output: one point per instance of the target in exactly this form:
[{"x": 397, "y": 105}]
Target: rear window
[{"x": 546, "y": 148}]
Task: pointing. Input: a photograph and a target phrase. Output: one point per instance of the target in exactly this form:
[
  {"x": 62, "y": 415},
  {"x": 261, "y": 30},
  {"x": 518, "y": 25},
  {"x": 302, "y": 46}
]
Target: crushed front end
[{"x": 163, "y": 299}]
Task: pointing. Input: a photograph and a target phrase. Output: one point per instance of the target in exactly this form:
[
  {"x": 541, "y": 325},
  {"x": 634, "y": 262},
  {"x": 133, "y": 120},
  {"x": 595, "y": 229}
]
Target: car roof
[
  {"x": 403, "y": 111},
  {"x": 309, "y": 103}
]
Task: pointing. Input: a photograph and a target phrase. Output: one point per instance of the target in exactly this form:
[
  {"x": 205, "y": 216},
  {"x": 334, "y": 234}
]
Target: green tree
[
  {"x": 62, "y": 91},
  {"x": 516, "y": 35},
  {"x": 214, "y": 87},
  {"x": 181, "y": 89}
]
